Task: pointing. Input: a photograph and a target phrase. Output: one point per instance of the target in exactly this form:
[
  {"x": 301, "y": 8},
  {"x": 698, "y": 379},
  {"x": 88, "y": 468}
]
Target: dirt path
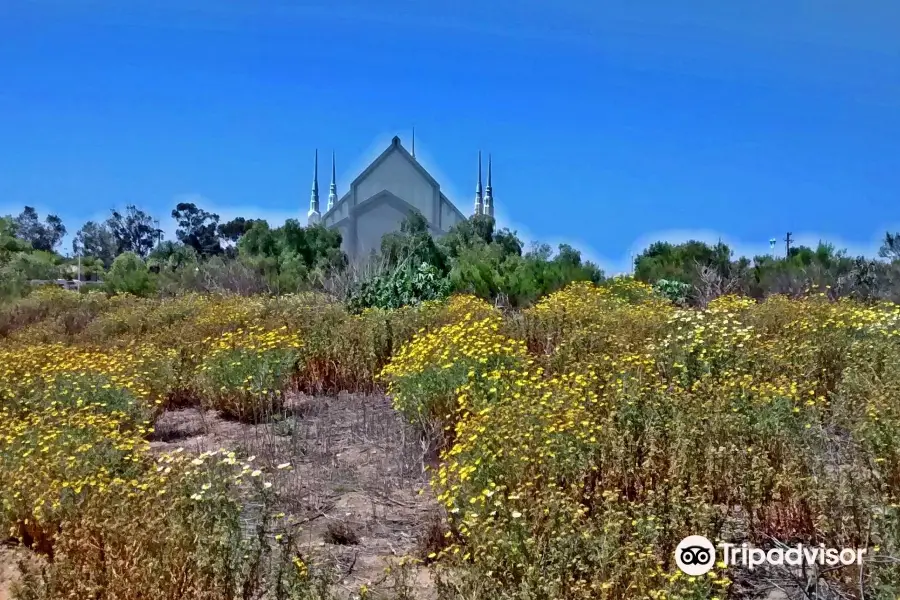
[
  {"x": 9, "y": 568},
  {"x": 352, "y": 497}
]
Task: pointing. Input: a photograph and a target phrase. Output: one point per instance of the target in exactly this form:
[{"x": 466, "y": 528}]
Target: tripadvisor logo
[{"x": 695, "y": 555}]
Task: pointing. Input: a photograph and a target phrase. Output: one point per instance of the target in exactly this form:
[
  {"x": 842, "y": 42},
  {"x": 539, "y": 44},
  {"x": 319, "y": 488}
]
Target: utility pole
[{"x": 787, "y": 245}]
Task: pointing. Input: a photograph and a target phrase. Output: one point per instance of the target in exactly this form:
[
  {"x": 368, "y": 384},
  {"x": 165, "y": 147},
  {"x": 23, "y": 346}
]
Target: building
[{"x": 384, "y": 194}]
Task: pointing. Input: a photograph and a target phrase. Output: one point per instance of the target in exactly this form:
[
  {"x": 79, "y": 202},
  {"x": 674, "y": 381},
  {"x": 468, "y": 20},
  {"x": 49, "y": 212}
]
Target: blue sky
[{"x": 611, "y": 124}]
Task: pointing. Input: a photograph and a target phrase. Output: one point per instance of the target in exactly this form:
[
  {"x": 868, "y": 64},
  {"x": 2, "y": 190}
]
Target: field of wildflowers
[
  {"x": 580, "y": 439},
  {"x": 599, "y": 428}
]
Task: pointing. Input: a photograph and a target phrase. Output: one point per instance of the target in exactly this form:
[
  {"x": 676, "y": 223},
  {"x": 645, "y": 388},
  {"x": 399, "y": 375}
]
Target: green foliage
[
  {"x": 9, "y": 243},
  {"x": 41, "y": 236},
  {"x": 234, "y": 229},
  {"x": 538, "y": 272},
  {"x": 246, "y": 384},
  {"x": 676, "y": 292},
  {"x": 679, "y": 262},
  {"x": 890, "y": 247},
  {"x": 197, "y": 228},
  {"x": 134, "y": 231},
  {"x": 129, "y": 275},
  {"x": 37, "y": 264},
  {"x": 471, "y": 258},
  {"x": 288, "y": 256},
  {"x": 402, "y": 286},
  {"x": 97, "y": 240},
  {"x": 413, "y": 244},
  {"x": 172, "y": 256}
]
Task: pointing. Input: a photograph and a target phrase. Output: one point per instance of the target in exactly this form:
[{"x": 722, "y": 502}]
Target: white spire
[
  {"x": 313, "y": 216},
  {"x": 489, "y": 193},
  {"x": 332, "y": 189},
  {"x": 478, "y": 206}
]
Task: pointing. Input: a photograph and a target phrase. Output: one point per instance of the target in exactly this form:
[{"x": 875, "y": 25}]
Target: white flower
[
  {"x": 284, "y": 466},
  {"x": 516, "y": 514},
  {"x": 256, "y": 473}
]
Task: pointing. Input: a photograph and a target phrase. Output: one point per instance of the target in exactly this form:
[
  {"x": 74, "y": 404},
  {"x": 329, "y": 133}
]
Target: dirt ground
[
  {"x": 357, "y": 496},
  {"x": 9, "y": 570}
]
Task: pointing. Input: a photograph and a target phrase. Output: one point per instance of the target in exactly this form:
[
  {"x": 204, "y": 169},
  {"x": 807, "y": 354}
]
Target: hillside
[{"x": 222, "y": 446}]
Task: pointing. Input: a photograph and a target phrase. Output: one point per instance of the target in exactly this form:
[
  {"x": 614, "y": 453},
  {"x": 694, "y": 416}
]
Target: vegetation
[
  {"x": 580, "y": 438},
  {"x": 249, "y": 256},
  {"x": 590, "y": 436},
  {"x": 584, "y": 424}
]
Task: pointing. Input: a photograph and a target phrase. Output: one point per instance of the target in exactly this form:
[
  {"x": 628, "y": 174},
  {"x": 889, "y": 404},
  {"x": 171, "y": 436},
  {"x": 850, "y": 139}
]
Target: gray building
[{"x": 384, "y": 194}]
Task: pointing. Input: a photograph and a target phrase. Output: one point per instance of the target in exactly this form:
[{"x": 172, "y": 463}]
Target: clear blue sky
[{"x": 611, "y": 124}]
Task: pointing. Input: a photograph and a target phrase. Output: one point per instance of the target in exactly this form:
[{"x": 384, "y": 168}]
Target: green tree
[
  {"x": 234, "y": 229},
  {"x": 9, "y": 242},
  {"x": 172, "y": 256},
  {"x": 42, "y": 236},
  {"x": 680, "y": 262},
  {"x": 890, "y": 247},
  {"x": 95, "y": 239},
  {"x": 289, "y": 255},
  {"x": 129, "y": 275},
  {"x": 197, "y": 228},
  {"x": 413, "y": 245},
  {"x": 134, "y": 231}
]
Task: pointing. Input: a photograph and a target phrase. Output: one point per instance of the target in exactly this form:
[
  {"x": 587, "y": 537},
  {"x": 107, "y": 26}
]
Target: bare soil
[
  {"x": 357, "y": 469},
  {"x": 10, "y": 555}
]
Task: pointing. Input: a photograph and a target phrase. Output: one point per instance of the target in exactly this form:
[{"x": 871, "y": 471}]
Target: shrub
[
  {"x": 244, "y": 374},
  {"x": 425, "y": 374},
  {"x": 129, "y": 275}
]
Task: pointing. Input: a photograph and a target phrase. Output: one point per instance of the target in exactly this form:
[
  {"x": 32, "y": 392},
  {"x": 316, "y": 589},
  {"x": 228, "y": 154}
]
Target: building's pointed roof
[
  {"x": 315, "y": 186},
  {"x": 489, "y": 192},
  {"x": 332, "y": 189},
  {"x": 314, "y": 195},
  {"x": 395, "y": 147}
]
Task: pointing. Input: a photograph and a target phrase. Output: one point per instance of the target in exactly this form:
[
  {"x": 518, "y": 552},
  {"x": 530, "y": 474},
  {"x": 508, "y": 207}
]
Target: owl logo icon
[{"x": 695, "y": 555}]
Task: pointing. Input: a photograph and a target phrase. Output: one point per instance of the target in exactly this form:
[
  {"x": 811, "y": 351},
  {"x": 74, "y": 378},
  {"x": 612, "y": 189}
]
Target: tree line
[{"x": 127, "y": 253}]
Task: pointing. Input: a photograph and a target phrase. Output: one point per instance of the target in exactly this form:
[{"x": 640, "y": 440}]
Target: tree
[
  {"x": 133, "y": 231},
  {"x": 129, "y": 275},
  {"x": 171, "y": 256},
  {"x": 509, "y": 242},
  {"x": 679, "y": 262},
  {"x": 413, "y": 245},
  {"x": 9, "y": 242},
  {"x": 890, "y": 248},
  {"x": 289, "y": 255},
  {"x": 197, "y": 228},
  {"x": 95, "y": 239},
  {"x": 234, "y": 229},
  {"x": 42, "y": 236}
]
